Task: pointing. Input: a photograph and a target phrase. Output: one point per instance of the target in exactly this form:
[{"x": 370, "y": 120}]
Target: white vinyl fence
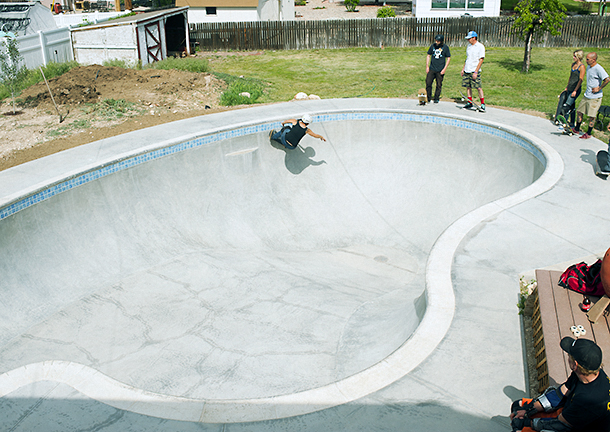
[
  {"x": 40, "y": 48},
  {"x": 74, "y": 20}
]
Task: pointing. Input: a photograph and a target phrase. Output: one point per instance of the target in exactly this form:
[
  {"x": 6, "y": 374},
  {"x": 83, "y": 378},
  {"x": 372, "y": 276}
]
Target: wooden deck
[{"x": 556, "y": 309}]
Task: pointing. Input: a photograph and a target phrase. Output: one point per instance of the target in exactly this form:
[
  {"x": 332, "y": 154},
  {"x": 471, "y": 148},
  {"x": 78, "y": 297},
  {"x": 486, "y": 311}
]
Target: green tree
[
  {"x": 537, "y": 16},
  {"x": 11, "y": 73}
]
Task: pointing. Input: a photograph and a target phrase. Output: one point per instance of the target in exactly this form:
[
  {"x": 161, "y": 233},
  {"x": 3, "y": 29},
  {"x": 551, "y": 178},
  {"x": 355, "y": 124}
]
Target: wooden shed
[{"x": 145, "y": 37}]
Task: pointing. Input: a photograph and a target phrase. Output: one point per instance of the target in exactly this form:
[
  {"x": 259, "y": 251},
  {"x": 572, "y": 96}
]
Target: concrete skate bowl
[{"x": 222, "y": 278}]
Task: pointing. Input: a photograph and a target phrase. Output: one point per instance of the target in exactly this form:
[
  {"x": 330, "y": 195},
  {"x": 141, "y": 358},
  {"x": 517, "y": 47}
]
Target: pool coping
[{"x": 433, "y": 327}]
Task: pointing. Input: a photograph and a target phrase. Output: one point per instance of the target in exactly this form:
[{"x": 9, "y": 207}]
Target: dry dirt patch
[{"x": 134, "y": 99}]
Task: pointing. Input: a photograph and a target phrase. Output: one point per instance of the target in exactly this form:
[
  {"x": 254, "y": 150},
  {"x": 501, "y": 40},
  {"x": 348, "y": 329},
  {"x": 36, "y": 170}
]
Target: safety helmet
[{"x": 306, "y": 118}]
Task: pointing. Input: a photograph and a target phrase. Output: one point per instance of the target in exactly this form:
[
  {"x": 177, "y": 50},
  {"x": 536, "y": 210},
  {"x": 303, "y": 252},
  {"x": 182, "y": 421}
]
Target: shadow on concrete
[
  {"x": 55, "y": 415},
  {"x": 298, "y": 159},
  {"x": 589, "y": 157}
]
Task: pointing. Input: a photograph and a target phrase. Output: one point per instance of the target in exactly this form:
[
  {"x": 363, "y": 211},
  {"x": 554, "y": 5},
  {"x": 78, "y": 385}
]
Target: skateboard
[
  {"x": 598, "y": 309},
  {"x": 564, "y": 127},
  {"x": 475, "y": 105},
  {"x": 422, "y": 97},
  {"x": 602, "y": 160}
]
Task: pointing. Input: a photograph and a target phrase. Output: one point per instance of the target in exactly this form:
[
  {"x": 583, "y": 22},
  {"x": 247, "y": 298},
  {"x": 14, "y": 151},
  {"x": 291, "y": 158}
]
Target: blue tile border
[{"x": 263, "y": 127}]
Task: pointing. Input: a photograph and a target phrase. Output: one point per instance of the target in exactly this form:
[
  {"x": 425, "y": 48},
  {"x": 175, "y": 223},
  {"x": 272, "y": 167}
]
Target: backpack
[{"x": 583, "y": 278}]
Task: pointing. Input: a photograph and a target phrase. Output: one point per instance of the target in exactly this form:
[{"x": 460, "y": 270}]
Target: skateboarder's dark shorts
[{"x": 469, "y": 82}]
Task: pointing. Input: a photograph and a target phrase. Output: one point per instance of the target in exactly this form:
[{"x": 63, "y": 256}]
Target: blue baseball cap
[{"x": 471, "y": 34}]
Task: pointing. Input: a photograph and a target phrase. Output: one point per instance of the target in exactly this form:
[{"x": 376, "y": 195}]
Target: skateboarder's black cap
[{"x": 439, "y": 37}]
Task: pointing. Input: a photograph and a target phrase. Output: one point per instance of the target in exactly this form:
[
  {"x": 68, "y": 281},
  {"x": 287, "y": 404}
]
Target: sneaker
[
  {"x": 482, "y": 107},
  {"x": 435, "y": 100},
  {"x": 585, "y": 136},
  {"x": 575, "y": 131},
  {"x": 468, "y": 105}
]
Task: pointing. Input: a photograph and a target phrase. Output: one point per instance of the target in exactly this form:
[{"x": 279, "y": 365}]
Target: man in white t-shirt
[
  {"x": 471, "y": 72},
  {"x": 597, "y": 78}
]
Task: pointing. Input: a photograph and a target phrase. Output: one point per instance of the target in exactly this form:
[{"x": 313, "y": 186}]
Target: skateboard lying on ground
[
  {"x": 602, "y": 160},
  {"x": 598, "y": 309},
  {"x": 475, "y": 106},
  {"x": 565, "y": 127}
]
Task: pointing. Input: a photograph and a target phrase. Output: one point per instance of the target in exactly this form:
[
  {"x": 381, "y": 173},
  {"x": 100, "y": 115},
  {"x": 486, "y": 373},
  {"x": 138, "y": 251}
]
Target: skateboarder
[
  {"x": 437, "y": 62},
  {"x": 293, "y": 131},
  {"x": 471, "y": 72}
]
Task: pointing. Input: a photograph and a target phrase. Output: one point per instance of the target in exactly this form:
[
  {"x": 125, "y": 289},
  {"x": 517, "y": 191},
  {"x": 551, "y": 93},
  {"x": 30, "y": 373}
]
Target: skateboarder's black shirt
[
  {"x": 438, "y": 55},
  {"x": 296, "y": 134}
]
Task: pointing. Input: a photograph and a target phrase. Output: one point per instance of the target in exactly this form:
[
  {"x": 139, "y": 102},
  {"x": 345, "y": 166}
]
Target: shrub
[
  {"x": 386, "y": 12},
  {"x": 351, "y": 5},
  {"x": 117, "y": 63},
  {"x": 231, "y": 95},
  {"x": 184, "y": 64}
]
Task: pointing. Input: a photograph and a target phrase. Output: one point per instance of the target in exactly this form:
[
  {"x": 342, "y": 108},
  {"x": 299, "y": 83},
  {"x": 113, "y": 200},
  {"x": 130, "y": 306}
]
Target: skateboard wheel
[
  {"x": 573, "y": 329},
  {"x": 580, "y": 328},
  {"x": 576, "y": 333}
]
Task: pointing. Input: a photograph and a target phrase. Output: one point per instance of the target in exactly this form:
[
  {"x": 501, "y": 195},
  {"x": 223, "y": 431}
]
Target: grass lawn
[{"x": 397, "y": 72}]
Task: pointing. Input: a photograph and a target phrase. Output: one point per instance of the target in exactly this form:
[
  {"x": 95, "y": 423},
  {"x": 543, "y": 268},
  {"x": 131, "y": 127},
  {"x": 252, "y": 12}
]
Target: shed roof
[{"x": 137, "y": 18}]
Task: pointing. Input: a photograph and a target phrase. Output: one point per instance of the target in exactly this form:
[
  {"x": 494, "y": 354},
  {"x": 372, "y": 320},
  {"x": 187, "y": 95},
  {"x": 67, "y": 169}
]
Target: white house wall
[
  {"x": 423, "y": 9},
  {"x": 267, "y": 10},
  {"x": 223, "y": 15},
  {"x": 97, "y": 45},
  {"x": 276, "y": 10}
]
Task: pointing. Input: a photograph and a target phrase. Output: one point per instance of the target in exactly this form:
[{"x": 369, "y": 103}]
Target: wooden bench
[{"x": 556, "y": 309}]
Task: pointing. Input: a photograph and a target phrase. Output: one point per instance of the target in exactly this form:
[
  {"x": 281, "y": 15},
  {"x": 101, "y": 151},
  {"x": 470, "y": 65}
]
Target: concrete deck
[{"x": 459, "y": 370}]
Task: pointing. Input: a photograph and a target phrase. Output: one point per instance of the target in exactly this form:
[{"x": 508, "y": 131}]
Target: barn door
[{"x": 153, "y": 42}]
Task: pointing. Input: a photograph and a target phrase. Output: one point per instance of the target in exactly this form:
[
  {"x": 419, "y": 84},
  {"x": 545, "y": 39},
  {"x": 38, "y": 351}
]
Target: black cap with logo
[{"x": 584, "y": 351}]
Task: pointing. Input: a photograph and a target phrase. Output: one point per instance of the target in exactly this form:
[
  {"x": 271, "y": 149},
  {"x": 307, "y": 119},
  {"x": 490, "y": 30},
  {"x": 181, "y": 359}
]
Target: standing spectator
[
  {"x": 436, "y": 64},
  {"x": 572, "y": 91},
  {"x": 597, "y": 78},
  {"x": 471, "y": 72}
]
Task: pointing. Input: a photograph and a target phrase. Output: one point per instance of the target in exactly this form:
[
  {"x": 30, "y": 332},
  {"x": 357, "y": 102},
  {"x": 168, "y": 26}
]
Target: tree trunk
[{"x": 527, "y": 57}]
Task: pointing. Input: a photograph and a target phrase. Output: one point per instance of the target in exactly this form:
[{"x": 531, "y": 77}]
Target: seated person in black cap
[{"x": 580, "y": 404}]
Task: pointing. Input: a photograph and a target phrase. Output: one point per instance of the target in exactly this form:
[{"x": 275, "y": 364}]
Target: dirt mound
[
  {"x": 91, "y": 84},
  {"x": 90, "y": 100}
]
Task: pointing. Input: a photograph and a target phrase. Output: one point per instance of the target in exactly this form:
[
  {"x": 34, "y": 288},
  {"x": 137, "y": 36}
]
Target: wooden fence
[{"x": 587, "y": 31}]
